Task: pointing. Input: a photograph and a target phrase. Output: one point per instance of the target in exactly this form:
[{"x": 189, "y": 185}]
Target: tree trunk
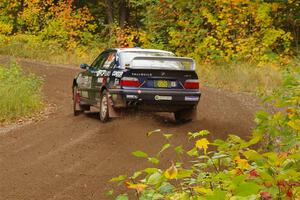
[
  {"x": 123, "y": 13},
  {"x": 109, "y": 11}
]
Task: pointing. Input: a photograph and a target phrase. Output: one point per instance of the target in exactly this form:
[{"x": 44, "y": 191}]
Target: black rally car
[{"x": 147, "y": 79}]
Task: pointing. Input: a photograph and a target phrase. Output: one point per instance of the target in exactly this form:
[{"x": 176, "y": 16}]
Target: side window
[
  {"x": 98, "y": 62},
  {"x": 109, "y": 61}
]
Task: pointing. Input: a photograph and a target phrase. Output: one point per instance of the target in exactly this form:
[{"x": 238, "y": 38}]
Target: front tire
[
  {"x": 185, "y": 115},
  {"x": 104, "y": 111}
]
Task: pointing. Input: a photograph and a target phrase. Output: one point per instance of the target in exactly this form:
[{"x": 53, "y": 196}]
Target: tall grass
[
  {"x": 20, "y": 94},
  {"x": 33, "y": 47},
  {"x": 245, "y": 77}
]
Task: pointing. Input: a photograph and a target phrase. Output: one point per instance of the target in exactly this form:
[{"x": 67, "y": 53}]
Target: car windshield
[{"x": 127, "y": 60}]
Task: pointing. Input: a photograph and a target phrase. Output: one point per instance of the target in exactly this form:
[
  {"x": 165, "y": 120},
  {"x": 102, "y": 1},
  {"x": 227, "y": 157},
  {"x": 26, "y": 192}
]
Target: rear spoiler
[{"x": 166, "y": 58}]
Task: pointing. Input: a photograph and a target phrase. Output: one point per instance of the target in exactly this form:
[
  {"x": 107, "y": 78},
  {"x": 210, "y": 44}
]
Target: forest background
[{"x": 233, "y": 41}]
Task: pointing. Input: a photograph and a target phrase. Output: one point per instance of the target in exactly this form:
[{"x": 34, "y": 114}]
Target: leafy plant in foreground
[{"x": 267, "y": 166}]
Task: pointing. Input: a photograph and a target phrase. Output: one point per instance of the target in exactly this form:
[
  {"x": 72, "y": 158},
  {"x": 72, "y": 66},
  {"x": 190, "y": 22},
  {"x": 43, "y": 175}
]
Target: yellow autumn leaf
[
  {"x": 172, "y": 172},
  {"x": 236, "y": 171},
  {"x": 200, "y": 189},
  {"x": 241, "y": 163},
  {"x": 295, "y": 124},
  {"x": 139, "y": 187},
  {"x": 202, "y": 144}
]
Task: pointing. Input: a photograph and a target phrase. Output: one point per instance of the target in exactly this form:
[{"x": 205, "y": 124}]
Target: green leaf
[
  {"x": 184, "y": 173},
  {"x": 122, "y": 197},
  {"x": 153, "y": 160},
  {"x": 265, "y": 176},
  {"x": 166, "y": 146},
  {"x": 179, "y": 149},
  {"x": 256, "y": 137},
  {"x": 197, "y": 134},
  {"x": 118, "y": 178},
  {"x": 140, "y": 154},
  {"x": 154, "y": 178},
  {"x": 217, "y": 195},
  {"x": 261, "y": 116},
  {"x": 136, "y": 174},
  {"x": 166, "y": 188},
  {"x": 246, "y": 189},
  {"x": 237, "y": 180},
  {"x": 151, "y": 170},
  {"x": 271, "y": 156},
  {"x": 193, "y": 152},
  {"x": 252, "y": 155},
  {"x": 236, "y": 139}
]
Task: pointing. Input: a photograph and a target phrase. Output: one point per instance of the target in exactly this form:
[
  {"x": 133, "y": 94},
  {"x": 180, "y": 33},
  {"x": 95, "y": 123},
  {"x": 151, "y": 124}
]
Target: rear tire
[
  {"x": 104, "y": 111},
  {"x": 77, "y": 109},
  {"x": 185, "y": 115}
]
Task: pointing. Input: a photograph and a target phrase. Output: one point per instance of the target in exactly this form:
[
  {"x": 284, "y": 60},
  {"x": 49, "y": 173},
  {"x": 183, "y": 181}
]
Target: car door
[
  {"x": 93, "y": 73},
  {"x": 102, "y": 73}
]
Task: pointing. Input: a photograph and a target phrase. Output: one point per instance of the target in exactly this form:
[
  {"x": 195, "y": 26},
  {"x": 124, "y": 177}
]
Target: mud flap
[
  {"x": 77, "y": 101},
  {"x": 113, "y": 113}
]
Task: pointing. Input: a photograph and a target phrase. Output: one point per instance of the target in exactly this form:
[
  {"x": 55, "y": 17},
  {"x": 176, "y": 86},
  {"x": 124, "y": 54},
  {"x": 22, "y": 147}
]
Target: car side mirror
[{"x": 84, "y": 66}]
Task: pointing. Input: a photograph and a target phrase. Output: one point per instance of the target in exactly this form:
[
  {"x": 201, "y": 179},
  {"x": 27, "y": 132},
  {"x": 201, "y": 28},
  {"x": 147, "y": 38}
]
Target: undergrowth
[
  {"x": 33, "y": 47},
  {"x": 20, "y": 93},
  {"x": 241, "y": 77},
  {"x": 263, "y": 167}
]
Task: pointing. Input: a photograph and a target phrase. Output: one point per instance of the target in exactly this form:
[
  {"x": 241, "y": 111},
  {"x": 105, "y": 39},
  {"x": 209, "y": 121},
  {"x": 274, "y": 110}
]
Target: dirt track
[{"x": 67, "y": 157}]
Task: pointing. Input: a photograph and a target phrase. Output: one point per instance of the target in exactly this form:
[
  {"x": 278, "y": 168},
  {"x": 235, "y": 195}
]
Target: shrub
[
  {"x": 20, "y": 93},
  {"x": 267, "y": 166}
]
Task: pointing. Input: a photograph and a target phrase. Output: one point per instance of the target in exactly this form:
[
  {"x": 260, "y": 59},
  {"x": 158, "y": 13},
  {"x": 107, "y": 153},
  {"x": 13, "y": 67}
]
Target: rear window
[
  {"x": 154, "y": 60},
  {"x": 126, "y": 57}
]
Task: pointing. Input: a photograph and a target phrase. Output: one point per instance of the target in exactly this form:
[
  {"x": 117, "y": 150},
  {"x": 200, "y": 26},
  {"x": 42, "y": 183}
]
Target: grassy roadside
[
  {"x": 20, "y": 93},
  {"x": 32, "y": 47},
  {"x": 241, "y": 77}
]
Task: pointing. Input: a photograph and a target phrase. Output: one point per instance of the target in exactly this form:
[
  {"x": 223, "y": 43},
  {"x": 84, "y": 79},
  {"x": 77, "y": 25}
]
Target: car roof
[{"x": 135, "y": 49}]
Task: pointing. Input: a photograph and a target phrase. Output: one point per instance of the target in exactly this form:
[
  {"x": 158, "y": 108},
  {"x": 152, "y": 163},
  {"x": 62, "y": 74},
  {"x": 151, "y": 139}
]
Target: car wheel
[
  {"x": 185, "y": 115},
  {"x": 104, "y": 112},
  {"x": 77, "y": 109}
]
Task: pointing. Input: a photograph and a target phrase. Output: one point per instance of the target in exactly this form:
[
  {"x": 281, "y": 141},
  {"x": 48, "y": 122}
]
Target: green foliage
[
  {"x": 219, "y": 30},
  {"x": 283, "y": 128},
  {"x": 50, "y": 30},
  {"x": 266, "y": 166},
  {"x": 20, "y": 93},
  {"x": 51, "y": 20},
  {"x": 216, "y": 30}
]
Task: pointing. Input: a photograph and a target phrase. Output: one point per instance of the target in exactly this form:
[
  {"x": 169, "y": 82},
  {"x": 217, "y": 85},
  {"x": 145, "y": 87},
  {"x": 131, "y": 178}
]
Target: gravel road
[{"x": 72, "y": 158}]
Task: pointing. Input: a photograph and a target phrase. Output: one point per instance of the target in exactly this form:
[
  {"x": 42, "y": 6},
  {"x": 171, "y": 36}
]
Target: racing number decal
[
  {"x": 102, "y": 73},
  {"x": 117, "y": 74}
]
